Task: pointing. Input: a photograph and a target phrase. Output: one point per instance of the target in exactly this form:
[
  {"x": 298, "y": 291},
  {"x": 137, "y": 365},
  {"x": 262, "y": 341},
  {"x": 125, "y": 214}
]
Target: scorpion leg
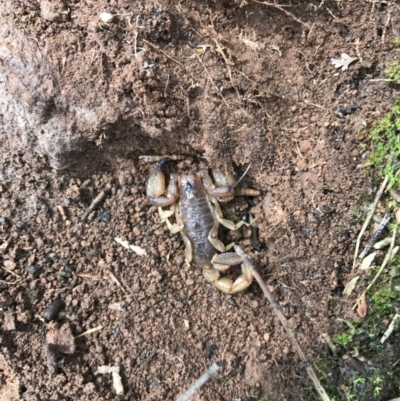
[
  {"x": 219, "y": 216},
  {"x": 188, "y": 249},
  {"x": 222, "y": 262},
  {"x": 212, "y": 238},
  {"x": 165, "y": 214}
]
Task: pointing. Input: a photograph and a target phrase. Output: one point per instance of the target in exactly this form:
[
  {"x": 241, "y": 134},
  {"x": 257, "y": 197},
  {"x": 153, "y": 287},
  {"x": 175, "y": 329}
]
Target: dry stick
[
  {"x": 367, "y": 220},
  {"x": 376, "y": 235},
  {"x": 221, "y": 52},
  {"x": 277, "y": 310},
  {"x": 214, "y": 368},
  {"x": 385, "y": 27},
  {"x": 11, "y": 272},
  {"x": 283, "y": 10},
  {"x": 113, "y": 278},
  {"x": 385, "y": 262},
  {"x": 97, "y": 201},
  {"x": 212, "y": 81},
  {"x": 163, "y": 52},
  {"x": 90, "y": 331}
]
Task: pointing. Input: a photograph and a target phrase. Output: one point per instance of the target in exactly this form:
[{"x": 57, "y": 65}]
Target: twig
[
  {"x": 385, "y": 27},
  {"x": 113, "y": 278},
  {"x": 367, "y": 220},
  {"x": 277, "y": 310},
  {"x": 384, "y": 263},
  {"x": 96, "y": 202},
  {"x": 283, "y": 10},
  {"x": 163, "y": 52},
  {"x": 211, "y": 80},
  {"x": 214, "y": 368},
  {"x": 221, "y": 52},
  {"x": 357, "y": 42},
  {"x": 245, "y": 76},
  {"x": 90, "y": 331},
  {"x": 93, "y": 277},
  {"x": 11, "y": 272},
  {"x": 376, "y": 235},
  {"x": 382, "y": 80},
  {"x": 390, "y": 329}
]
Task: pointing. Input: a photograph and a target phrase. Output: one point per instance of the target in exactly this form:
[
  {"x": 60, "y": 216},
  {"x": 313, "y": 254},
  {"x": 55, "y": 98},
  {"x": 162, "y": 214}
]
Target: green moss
[
  {"x": 382, "y": 302},
  {"x": 392, "y": 70},
  {"x": 396, "y": 41},
  {"x": 386, "y": 140}
]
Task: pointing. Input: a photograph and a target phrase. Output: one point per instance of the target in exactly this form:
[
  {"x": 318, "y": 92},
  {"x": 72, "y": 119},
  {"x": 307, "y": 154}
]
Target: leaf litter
[{"x": 343, "y": 62}]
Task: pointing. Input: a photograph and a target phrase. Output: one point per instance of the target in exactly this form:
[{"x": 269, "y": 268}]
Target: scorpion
[{"x": 194, "y": 200}]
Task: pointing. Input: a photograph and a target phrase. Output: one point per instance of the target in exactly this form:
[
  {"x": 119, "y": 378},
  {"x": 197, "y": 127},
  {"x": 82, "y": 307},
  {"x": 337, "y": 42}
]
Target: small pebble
[
  {"x": 4, "y": 222},
  {"x": 20, "y": 225},
  {"x": 34, "y": 270},
  {"x": 105, "y": 217},
  {"x": 232, "y": 302},
  {"x": 52, "y": 311}
]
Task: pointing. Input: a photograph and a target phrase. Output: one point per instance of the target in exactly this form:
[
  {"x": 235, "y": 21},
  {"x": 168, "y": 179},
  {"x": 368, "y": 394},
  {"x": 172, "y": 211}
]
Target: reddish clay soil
[{"x": 228, "y": 83}]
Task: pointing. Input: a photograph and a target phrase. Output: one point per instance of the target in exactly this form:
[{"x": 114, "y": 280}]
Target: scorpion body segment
[{"x": 197, "y": 217}]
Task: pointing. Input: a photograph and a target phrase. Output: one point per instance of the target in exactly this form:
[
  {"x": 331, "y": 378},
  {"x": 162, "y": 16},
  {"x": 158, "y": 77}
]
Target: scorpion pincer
[{"x": 194, "y": 200}]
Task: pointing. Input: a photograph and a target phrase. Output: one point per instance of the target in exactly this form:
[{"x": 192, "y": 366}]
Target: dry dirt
[{"x": 228, "y": 83}]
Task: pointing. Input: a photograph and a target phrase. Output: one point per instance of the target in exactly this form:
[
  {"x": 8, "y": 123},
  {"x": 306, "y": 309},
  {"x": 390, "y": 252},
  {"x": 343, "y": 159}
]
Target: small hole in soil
[
  {"x": 22, "y": 389},
  {"x": 379, "y": 32}
]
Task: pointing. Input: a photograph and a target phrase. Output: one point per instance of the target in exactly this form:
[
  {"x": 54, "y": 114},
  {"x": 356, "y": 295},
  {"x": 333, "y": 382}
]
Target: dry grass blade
[
  {"x": 277, "y": 310},
  {"x": 11, "y": 272},
  {"x": 90, "y": 331},
  {"x": 390, "y": 329},
  {"x": 385, "y": 262},
  {"x": 367, "y": 220},
  {"x": 284, "y": 11},
  {"x": 163, "y": 52},
  {"x": 214, "y": 368},
  {"x": 211, "y": 80}
]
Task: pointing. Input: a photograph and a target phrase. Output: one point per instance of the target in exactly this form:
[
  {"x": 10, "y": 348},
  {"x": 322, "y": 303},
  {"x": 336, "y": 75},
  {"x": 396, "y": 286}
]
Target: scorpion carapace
[{"x": 194, "y": 200}]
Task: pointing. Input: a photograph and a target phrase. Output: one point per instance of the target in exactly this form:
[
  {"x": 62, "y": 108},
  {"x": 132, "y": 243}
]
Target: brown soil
[{"x": 231, "y": 81}]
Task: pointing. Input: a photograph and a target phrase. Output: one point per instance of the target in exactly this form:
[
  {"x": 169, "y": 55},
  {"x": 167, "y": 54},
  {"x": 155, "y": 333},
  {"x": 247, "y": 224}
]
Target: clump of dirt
[{"x": 229, "y": 83}]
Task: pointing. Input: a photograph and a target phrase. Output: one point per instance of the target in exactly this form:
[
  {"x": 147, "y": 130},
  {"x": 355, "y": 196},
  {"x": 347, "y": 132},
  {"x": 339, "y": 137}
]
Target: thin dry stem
[
  {"x": 163, "y": 52},
  {"x": 367, "y": 220},
  {"x": 211, "y": 80},
  {"x": 284, "y": 11},
  {"x": 113, "y": 278},
  {"x": 277, "y": 310},
  {"x": 214, "y": 368},
  {"x": 90, "y": 331},
  {"x": 384, "y": 263},
  {"x": 11, "y": 272}
]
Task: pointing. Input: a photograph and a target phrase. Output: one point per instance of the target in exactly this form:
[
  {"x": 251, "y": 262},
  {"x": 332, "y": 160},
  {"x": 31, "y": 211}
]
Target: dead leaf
[
  {"x": 362, "y": 307},
  {"x": 383, "y": 243},
  {"x": 367, "y": 261},
  {"x": 350, "y": 286},
  {"x": 344, "y": 61}
]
